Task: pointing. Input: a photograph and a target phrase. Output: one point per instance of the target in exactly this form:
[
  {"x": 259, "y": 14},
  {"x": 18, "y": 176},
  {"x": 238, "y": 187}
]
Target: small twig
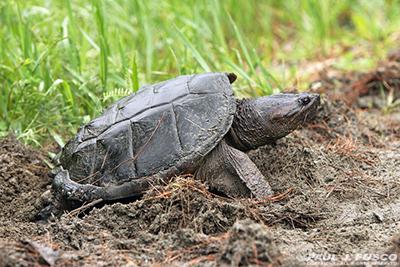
[
  {"x": 173, "y": 255},
  {"x": 84, "y": 207},
  {"x": 207, "y": 258},
  {"x": 276, "y": 198},
  {"x": 142, "y": 147}
]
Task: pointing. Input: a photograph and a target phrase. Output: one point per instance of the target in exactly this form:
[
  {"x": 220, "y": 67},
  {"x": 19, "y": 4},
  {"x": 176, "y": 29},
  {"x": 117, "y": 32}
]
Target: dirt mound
[
  {"x": 23, "y": 178},
  {"x": 184, "y": 203},
  {"x": 179, "y": 222},
  {"x": 249, "y": 243},
  {"x": 337, "y": 194}
]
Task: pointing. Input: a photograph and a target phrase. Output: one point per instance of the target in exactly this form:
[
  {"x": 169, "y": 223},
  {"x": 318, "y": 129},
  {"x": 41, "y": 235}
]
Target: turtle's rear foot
[{"x": 71, "y": 194}]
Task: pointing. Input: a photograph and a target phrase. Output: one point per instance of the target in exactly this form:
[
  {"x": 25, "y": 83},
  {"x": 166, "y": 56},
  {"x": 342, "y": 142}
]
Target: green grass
[{"x": 62, "y": 62}]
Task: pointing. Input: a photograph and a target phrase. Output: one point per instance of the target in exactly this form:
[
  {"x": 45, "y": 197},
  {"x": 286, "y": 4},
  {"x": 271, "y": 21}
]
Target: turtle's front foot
[{"x": 231, "y": 172}]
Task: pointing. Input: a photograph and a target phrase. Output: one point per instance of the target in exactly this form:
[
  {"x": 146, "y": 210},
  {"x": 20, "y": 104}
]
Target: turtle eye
[{"x": 304, "y": 100}]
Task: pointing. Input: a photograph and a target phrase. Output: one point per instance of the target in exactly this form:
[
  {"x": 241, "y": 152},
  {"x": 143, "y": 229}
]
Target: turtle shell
[{"x": 169, "y": 126}]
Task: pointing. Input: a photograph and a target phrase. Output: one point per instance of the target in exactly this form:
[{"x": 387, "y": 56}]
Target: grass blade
[
  {"x": 134, "y": 74},
  {"x": 197, "y": 56}
]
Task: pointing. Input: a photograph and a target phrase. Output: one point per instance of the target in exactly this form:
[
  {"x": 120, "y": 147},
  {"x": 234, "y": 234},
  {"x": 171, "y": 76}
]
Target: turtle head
[
  {"x": 282, "y": 113},
  {"x": 263, "y": 120}
]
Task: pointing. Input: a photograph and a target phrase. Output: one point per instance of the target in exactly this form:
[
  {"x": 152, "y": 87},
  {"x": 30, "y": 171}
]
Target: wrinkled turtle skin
[{"x": 190, "y": 124}]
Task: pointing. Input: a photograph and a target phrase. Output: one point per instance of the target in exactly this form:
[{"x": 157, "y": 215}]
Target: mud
[{"x": 337, "y": 193}]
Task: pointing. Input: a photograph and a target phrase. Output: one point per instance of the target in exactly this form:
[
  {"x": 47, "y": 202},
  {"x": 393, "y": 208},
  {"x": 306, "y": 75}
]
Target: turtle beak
[
  {"x": 301, "y": 104},
  {"x": 306, "y": 100},
  {"x": 309, "y": 104}
]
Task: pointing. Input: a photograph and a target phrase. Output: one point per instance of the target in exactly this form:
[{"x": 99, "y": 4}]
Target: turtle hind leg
[
  {"x": 231, "y": 172},
  {"x": 71, "y": 194}
]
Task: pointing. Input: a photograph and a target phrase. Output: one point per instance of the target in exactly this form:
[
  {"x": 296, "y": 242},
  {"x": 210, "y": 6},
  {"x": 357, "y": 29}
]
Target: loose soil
[{"x": 337, "y": 184}]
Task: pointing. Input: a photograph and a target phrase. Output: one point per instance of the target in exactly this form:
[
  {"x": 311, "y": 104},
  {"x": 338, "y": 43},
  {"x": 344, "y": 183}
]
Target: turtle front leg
[{"x": 231, "y": 171}]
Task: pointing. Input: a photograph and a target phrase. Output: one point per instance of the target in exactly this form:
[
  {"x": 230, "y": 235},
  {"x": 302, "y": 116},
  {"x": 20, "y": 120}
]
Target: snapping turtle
[{"x": 190, "y": 124}]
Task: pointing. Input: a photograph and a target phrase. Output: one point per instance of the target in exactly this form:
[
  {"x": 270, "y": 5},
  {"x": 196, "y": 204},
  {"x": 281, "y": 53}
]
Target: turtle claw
[{"x": 63, "y": 185}]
